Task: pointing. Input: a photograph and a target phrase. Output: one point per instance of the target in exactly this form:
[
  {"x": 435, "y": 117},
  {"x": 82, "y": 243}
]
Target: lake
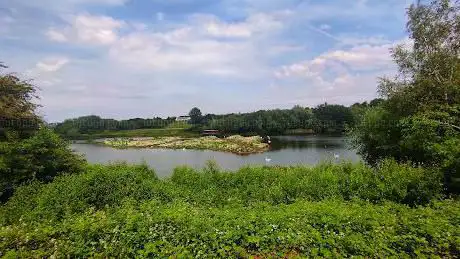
[{"x": 285, "y": 150}]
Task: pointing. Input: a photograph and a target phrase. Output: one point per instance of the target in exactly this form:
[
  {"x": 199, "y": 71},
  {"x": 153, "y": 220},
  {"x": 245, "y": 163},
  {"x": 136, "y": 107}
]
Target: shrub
[
  {"x": 42, "y": 157},
  {"x": 389, "y": 181},
  {"x": 99, "y": 187}
]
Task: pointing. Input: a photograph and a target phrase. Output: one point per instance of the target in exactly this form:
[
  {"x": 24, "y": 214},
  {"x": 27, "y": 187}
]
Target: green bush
[
  {"x": 390, "y": 181},
  {"x": 99, "y": 187},
  {"x": 42, "y": 156},
  {"x": 109, "y": 186}
]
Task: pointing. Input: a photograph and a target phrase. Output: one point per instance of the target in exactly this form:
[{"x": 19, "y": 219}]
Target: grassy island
[{"x": 234, "y": 144}]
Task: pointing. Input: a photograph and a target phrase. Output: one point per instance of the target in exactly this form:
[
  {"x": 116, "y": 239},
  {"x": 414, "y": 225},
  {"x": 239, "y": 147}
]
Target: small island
[{"x": 234, "y": 144}]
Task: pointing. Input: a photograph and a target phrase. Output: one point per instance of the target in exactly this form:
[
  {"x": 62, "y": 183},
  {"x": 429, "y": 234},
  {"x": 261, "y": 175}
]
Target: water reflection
[{"x": 310, "y": 142}]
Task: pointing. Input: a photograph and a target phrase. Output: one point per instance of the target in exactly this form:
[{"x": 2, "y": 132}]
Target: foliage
[
  {"x": 322, "y": 119},
  {"x": 275, "y": 185},
  {"x": 28, "y": 150},
  {"x": 94, "y": 125},
  {"x": 17, "y": 111},
  {"x": 195, "y": 116},
  {"x": 359, "y": 109},
  {"x": 264, "y": 122},
  {"x": 42, "y": 157},
  {"x": 102, "y": 186},
  {"x": 337, "y": 116},
  {"x": 330, "y": 210},
  {"x": 420, "y": 118}
]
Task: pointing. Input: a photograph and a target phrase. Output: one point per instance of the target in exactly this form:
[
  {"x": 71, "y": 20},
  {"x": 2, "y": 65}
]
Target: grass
[
  {"x": 328, "y": 210},
  {"x": 233, "y": 144}
]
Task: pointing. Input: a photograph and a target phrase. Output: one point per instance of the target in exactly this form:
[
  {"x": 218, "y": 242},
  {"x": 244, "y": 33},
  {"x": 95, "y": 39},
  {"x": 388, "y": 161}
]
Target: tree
[
  {"x": 17, "y": 109},
  {"x": 42, "y": 156},
  {"x": 195, "y": 116},
  {"x": 420, "y": 117},
  {"x": 33, "y": 152}
]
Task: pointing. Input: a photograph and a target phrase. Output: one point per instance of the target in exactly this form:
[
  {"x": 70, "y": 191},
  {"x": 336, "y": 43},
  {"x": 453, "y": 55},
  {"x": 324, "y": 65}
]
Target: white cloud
[
  {"x": 342, "y": 75},
  {"x": 228, "y": 30},
  {"x": 51, "y": 64},
  {"x": 257, "y": 23},
  {"x": 358, "y": 58},
  {"x": 199, "y": 48},
  {"x": 88, "y": 29},
  {"x": 55, "y": 35},
  {"x": 363, "y": 57},
  {"x": 180, "y": 50}
]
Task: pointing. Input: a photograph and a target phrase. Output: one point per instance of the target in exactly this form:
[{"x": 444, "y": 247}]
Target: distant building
[
  {"x": 210, "y": 133},
  {"x": 183, "y": 118}
]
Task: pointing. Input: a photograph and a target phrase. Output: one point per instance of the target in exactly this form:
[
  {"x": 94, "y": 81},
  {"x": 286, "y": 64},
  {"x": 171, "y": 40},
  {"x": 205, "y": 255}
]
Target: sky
[{"x": 146, "y": 58}]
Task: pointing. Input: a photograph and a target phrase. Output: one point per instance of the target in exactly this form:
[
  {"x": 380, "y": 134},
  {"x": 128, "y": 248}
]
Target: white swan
[
  {"x": 336, "y": 156},
  {"x": 268, "y": 159}
]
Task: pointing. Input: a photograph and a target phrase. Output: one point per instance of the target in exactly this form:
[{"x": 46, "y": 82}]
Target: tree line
[
  {"x": 325, "y": 118},
  {"x": 93, "y": 124}
]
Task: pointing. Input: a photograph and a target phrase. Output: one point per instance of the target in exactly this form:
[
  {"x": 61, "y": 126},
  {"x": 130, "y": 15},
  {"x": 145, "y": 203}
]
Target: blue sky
[{"x": 146, "y": 58}]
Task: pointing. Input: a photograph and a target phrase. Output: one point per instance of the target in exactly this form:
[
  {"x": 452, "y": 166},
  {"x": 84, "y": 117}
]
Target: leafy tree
[
  {"x": 33, "y": 152},
  {"x": 42, "y": 157},
  {"x": 195, "y": 116},
  {"x": 17, "y": 109},
  {"x": 420, "y": 116}
]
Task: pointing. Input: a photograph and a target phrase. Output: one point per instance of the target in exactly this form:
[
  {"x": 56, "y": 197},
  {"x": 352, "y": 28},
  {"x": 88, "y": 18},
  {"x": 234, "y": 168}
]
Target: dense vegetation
[
  {"x": 27, "y": 149},
  {"x": 419, "y": 121},
  {"x": 95, "y": 124},
  {"x": 329, "y": 210},
  {"x": 325, "y": 118}
]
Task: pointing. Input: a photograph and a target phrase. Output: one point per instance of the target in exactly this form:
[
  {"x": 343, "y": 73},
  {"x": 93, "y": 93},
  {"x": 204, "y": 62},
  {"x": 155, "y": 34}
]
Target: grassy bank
[
  {"x": 329, "y": 210},
  {"x": 233, "y": 144}
]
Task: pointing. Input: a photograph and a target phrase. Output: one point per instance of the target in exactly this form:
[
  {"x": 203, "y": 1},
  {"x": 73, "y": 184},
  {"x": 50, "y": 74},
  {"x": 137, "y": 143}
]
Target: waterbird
[
  {"x": 336, "y": 156},
  {"x": 267, "y": 159}
]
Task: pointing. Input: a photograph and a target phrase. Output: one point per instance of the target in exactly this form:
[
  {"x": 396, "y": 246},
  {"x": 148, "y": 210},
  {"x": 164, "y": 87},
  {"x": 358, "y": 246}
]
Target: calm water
[{"x": 286, "y": 150}]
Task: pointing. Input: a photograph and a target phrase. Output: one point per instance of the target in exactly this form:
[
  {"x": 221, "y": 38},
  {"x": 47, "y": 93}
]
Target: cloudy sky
[{"x": 145, "y": 58}]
